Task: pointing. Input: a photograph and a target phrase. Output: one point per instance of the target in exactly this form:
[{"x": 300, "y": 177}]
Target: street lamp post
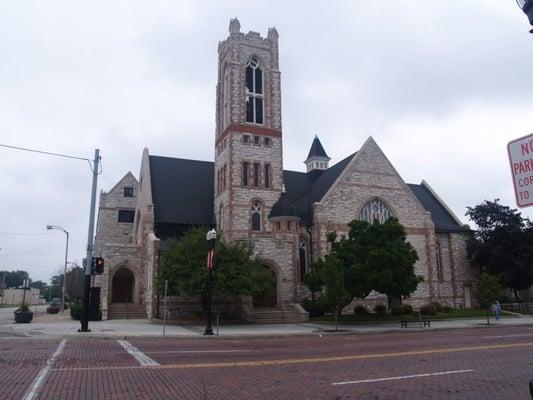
[
  {"x": 211, "y": 240},
  {"x": 50, "y": 227},
  {"x": 527, "y": 8}
]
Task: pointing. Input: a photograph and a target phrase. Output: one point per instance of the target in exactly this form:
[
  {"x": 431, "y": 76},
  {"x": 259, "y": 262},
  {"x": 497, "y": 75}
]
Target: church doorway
[
  {"x": 123, "y": 284},
  {"x": 265, "y": 295}
]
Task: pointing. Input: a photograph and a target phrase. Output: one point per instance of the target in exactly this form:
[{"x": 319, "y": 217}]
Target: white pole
[{"x": 64, "y": 276}]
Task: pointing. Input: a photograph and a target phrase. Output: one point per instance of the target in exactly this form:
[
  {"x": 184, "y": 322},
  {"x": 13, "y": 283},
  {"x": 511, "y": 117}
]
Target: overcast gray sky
[{"x": 442, "y": 86}]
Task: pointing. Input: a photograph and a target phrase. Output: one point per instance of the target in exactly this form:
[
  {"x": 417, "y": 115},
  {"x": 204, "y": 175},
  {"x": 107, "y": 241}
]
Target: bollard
[{"x": 217, "y": 323}]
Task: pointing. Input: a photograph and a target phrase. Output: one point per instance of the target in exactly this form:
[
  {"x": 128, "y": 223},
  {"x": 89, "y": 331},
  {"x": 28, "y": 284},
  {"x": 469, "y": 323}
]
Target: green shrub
[
  {"x": 437, "y": 306},
  {"x": 407, "y": 309},
  {"x": 380, "y": 309},
  {"x": 75, "y": 311},
  {"x": 23, "y": 308},
  {"x": 396, "y": 310},
  {"x": 360, "y": 310},
  {"x": 447, "y": 309},
  {"x": 315, "y": 308},
  {"x": 428, "y": 309}
]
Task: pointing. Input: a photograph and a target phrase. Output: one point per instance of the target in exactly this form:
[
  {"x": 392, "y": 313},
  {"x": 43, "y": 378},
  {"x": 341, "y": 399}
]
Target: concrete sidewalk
[{"x": 44, "y": 326}]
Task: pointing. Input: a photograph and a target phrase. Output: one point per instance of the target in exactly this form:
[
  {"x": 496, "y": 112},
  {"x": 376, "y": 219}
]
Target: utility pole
[{"x": 90, "y": 237}]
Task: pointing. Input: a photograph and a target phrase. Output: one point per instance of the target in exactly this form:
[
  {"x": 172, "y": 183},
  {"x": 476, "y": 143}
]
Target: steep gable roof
[
  {"x": 441, "y": 216},
  {"x": 182, "y": 190},
  {"x": 317, "y": 150},
  {"x": 305, "y": 189}
]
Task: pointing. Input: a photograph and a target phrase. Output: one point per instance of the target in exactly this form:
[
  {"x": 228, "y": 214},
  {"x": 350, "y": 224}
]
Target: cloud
[{"x": 441, "y": 88}]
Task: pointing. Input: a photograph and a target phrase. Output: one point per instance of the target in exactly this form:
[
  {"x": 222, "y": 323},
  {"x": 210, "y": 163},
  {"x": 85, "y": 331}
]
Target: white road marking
[
  {"x": 404, "y": 377},
  {"x": 41, "y": 376},
  {"x": 199, "y": 351},
  {"x": 506, "y": 336},
  {"x": 143, "y": 359}
]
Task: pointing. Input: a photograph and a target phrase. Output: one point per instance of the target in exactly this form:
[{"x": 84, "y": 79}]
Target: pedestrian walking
[{"x": 496, "y": 310}]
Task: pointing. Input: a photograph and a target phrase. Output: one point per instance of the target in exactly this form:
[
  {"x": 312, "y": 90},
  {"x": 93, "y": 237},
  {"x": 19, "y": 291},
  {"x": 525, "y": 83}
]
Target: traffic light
[{"x": 97, "y": 266}]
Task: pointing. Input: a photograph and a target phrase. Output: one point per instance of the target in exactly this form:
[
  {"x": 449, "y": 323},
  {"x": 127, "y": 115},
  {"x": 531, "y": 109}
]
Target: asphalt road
[{"x": 494, "y": 363}]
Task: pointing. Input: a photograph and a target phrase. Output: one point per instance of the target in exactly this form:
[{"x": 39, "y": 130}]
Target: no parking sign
[{"x": 521, "y": 159}]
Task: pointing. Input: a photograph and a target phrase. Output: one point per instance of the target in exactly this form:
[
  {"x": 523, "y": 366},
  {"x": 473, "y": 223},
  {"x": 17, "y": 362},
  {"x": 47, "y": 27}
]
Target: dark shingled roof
[
  {"x": 182, "y": 191},
  {"x": 304, "y": 189},
  {"x": 441, "y": 218},
  {"x": 283, "y": 208},
  {"x": 316, "y": 149}
]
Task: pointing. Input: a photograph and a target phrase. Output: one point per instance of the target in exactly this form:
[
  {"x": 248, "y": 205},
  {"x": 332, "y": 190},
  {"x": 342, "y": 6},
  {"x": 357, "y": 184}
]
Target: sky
[{"x": 442, "y": 88}]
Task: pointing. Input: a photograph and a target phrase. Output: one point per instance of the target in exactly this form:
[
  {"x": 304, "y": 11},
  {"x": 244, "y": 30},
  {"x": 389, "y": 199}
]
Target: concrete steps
[
  {"x": 274, "y": 316},
  {"x": 126, "y": 311}
]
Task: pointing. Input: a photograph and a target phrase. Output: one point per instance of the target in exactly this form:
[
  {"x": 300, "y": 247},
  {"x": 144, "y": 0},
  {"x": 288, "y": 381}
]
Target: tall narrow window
[
  {"x": 303, "y": 258},
  {"x": 224, "y": 178},
  {"x": 245, "y": 168},
  {"x": 440, "y": 275},
  {"x": 256, "y": 216},
  {"x": 267, "y": 176},
  {"x": 256, "y": 175},
  {"x": 254, "y": 92},
  {"x": 226, "y": 111},
  {"x": 220, "y": 217}
]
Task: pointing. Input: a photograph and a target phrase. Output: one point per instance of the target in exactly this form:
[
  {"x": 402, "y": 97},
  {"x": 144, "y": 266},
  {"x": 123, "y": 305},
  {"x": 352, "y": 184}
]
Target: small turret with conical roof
[{"x": 317, "y": 157}]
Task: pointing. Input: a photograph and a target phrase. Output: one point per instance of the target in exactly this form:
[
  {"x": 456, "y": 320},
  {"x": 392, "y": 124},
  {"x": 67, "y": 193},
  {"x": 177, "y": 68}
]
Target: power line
[
  {"x": 29, "y": 251},
  {"x": 53, "y": 154},
  {"x": 24, "y": 234}
]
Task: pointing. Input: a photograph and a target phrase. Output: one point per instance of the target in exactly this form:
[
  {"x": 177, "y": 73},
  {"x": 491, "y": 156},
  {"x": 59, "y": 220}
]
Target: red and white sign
[
  {"x": 211, "y": 258},
  {"x": 521, "y": 159}
]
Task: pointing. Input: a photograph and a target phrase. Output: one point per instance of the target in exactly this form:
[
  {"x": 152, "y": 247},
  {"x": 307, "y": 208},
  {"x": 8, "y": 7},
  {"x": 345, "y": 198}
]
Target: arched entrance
[
  {"x": 123, "y": 284},
  {"x": 265, "y": 293}
]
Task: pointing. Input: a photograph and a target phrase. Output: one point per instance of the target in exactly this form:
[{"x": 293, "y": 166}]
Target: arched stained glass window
[
  {"x": 254, "y": 91},
  {"x": 256, "y": 216},
  {"x": 375, "y": 210}
]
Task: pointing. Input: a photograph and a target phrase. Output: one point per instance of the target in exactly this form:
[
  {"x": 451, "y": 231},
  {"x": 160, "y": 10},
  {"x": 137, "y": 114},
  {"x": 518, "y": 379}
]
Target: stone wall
[
  {"x": 108, "y": 229},
  {"x": 370, "y": 175},
  {"x": 233, "y": 202}
]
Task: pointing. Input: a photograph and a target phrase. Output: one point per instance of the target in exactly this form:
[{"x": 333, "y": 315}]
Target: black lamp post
[
  {"x": 527, "y": 8},
  {"x": 211, "y": 240}
]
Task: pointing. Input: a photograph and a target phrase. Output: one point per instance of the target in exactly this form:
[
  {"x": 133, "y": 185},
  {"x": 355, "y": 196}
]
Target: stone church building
[{"x": 248, "y": 195}]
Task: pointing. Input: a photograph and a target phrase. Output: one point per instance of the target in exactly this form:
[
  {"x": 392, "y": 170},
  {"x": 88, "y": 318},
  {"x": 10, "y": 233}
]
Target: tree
[
  {"x": 502, "y": 245},
  {"x": 73, "y": 284},
  {"x": 487, "y": 290},
  {"x": 236, "y": 272},
  {"x": 13, "y": 279},
  {"x": 373, "y": 257}
]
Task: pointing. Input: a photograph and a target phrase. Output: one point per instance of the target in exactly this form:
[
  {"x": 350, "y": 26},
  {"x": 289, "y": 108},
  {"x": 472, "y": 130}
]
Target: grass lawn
[{"x": 355, "y": 319}]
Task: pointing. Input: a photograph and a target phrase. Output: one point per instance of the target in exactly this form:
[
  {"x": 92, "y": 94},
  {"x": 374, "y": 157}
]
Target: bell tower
[{"x": 248, "y": 139}]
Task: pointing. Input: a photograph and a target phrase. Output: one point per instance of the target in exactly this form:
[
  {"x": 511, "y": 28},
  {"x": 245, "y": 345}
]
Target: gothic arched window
[
  {"x": 254, "y": 91},
  {"x": 375, "y": 210},
  {"x": 302, "y": 252},
  {"x": 256, "y": 216}
]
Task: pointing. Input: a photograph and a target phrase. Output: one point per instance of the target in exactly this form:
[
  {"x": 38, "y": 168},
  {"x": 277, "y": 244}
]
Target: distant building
[
  {"x": 14, "y": 296},
  {"x": 248, "y": 195}
]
